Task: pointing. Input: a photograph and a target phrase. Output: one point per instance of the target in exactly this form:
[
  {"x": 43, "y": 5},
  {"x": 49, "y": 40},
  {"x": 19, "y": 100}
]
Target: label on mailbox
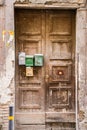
[
  {"x": 29, "y": 71},
  {"x": 22, "y": 58},
  {"x": 29, "y": 60},
  {"x": 38, "y": 59}
]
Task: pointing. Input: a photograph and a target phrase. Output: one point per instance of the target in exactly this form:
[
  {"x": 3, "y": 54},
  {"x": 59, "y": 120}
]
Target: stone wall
[
  {"x": 7, "y": 58},
  {"x": 6, "y": 61},
  {"x": 81, "y": 61}
]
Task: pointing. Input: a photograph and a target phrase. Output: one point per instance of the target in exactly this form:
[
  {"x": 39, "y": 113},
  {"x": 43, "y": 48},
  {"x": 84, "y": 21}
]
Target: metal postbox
[
  {"x": 38, "y": 59},
  {"x": 29, "y": 71},
  {"x": 22, "y": 58},
  {"x": 29, "y": 60}
]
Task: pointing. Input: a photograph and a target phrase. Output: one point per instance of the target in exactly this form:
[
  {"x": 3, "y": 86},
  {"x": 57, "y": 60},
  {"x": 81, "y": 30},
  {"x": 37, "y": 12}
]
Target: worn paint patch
[{"x": 5, "y": 80}]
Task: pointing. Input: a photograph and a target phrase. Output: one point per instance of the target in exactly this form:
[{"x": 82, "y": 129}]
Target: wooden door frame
[{"x": 76, "y": 55}]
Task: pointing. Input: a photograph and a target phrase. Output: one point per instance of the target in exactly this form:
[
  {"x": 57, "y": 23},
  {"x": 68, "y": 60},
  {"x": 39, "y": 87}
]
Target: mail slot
[
  {"x": 38, "y": 59},
  {"x": 21, "y": 58},
  {"x": 29, "y": 60}
]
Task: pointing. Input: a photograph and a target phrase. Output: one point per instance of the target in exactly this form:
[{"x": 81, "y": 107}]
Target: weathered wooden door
[{"x": 46, "y": 100}]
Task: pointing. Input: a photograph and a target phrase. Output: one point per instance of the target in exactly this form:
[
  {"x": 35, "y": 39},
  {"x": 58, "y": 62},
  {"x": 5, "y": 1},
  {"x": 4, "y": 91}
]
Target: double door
[{"x": 45, "y": 100}]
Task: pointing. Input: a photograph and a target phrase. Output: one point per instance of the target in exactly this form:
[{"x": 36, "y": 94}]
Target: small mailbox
[
  {"x": 22, "y": 58},
  {"x": 38, "y": 59},
  {"x": 29, "y": 60},
  {"x": 29, "y": 71}
]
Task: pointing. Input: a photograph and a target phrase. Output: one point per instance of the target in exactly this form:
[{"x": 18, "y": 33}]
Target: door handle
[{"x": 46, "y": 78}]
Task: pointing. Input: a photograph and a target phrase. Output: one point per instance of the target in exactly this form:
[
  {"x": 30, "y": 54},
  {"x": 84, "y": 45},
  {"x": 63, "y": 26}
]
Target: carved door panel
[
  {"x": 49, "y": 95},
  {"x": 60, "y": 65},
  {"x": 30, "y": 90}
]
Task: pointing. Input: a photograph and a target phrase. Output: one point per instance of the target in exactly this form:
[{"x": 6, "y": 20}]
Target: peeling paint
[{"x": 6, "y": 79}]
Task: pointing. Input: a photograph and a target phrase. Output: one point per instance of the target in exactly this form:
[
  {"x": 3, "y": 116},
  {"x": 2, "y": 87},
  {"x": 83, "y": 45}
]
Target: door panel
[
  {"x": 61, "y": 126},
  {"x": 49, "y": 95},
  {"x": 30, "y": 91},
  {"x": 60, "y": 61}
]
